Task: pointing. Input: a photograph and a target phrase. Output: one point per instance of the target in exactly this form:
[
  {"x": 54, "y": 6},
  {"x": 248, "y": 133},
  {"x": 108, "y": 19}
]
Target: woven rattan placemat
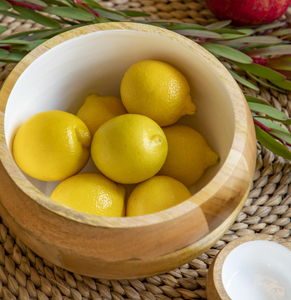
[{"x": 24, "y": 275}]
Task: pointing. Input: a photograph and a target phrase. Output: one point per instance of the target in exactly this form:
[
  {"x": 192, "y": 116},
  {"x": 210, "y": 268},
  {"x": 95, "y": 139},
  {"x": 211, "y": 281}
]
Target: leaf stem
[
  {"x": 26, "y": 5},
  {"x": 269, "y": 130},
  {"x": 87, "y": 7}
]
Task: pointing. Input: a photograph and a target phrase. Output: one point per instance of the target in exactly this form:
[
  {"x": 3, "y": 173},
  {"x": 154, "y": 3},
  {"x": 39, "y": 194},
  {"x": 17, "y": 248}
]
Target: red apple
[{"x": 248, "y": 12}]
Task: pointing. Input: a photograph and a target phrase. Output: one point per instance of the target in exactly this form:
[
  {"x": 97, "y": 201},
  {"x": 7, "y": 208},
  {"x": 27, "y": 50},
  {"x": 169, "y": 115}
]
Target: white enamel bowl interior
[
  {"x": 258, "y": 270},
  {"x": 62, "y": 77}
]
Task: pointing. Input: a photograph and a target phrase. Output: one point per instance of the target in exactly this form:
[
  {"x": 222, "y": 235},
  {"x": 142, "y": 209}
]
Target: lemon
[
  {"x": 156, "y": 194},
  {"x": 129, "y": 148},
  {"x": 96, "y": 110},
  {"x": 188, "y": 154},
  {"x": 157, "y": 90},
  {"x": 52, "y": 145},
  {"x": 91, "y": 193}
]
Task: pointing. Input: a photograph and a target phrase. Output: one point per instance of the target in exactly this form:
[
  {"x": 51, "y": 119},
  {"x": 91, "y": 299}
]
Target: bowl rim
[{"x": 193, "y": 202}]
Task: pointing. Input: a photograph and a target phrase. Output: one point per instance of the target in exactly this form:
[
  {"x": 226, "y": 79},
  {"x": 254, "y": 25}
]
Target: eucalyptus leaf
[
  {"x": 179, "y": 26},
  {"x": 270, "y": 124},
  {"x": 218, "y": 25},
  {"x": 70, "y": 12},
  {"x": 229, "y": 31},
  {"x": 255, "y": 39},
  {"x": 243, "y": 81},
  {"x": 252, "y": 99},
  {"x": 261, "y": 71},
  {"x": 272, "y": 50},
  {"x": 24, "y": 35},
  {"x": 265, "y": 84},
  {"x": 227, "y": 52},
  {"x": 269, "y": 142},
  {"x": 285, "y": 136},
  {"x": 36, "y": 17},
  {"x": 198, "y": 33},
  {"x": 2, "y": 29},
  {"x": 29, "y": 46},
  {"x": 229, "y": 36},
  {"x": 279, "y": 63},
  {"x": 11, "y": 14},
  {"x": 3, "y": 53},
  {"x": 4, "y": 5},
  {"x": 270, "y": 26},
  {"x": 56, "y": 2},
  {"x": 246, "y": 31},
  {"x": 285, "y": 84},
  {"x": 279, "y": 32},
  {"x": 37, "y": 2},
  {"x": 286, "y": 122},
  {"x": 16, "y": 56},
  {"x": 131, "y": 13},
  {"x": 92, "y": 3},
  {"x": 268, "y": 110},
  {"x": 14, "y": 42}
]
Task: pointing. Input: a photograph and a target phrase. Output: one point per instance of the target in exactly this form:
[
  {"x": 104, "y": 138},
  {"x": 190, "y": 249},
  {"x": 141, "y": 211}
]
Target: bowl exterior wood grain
[{"x": 128, "y": 247}]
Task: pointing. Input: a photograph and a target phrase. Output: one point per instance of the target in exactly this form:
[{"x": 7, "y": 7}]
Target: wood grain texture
[
  {"x": 128, "y": 247},
  {"x": 214, "y": 287}
]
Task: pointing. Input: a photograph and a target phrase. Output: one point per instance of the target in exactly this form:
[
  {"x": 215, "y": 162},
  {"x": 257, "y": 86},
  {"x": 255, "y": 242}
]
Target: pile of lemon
[{"x": 132, "y": 140}]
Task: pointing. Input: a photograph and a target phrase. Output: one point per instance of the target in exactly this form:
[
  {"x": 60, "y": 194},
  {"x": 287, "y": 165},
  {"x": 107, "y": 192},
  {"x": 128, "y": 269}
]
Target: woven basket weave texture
[{"x": 24, "y": 275}]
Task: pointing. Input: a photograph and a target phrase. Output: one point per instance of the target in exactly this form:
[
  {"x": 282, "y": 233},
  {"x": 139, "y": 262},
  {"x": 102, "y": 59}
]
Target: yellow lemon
[
  {"x": 91, "y": 193},
  {"x": 96, "y": 110},
  {"x": 156, "y": 194},
  {"x": 188, "y": 154},
  {"x": 157, "y": 90},
  {"x": 129, "y": 148},
  {"x": 52, "y": 145}
]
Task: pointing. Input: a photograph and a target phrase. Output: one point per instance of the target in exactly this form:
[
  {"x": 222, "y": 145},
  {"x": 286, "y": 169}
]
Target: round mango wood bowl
[
  {"x": 59, "y": 74},
  {"x": 255, "y": 267}
]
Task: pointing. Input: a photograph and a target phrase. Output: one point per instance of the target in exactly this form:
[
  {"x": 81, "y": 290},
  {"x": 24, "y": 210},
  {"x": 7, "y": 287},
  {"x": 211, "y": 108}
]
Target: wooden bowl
[
  {"x": 59, "y": 74},
  {"x": 254, "y": 267}
]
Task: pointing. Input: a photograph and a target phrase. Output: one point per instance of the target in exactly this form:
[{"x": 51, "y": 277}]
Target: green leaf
[
  {"x": 218, "y": 25},
  {"x": 269, "y": 142},
  {"x": 280, "y": 63},
  {"x": 132, "y": 13},
  {"x": 198, "y": 33},
  {"x": 14, "y": 42},
  {"x": 92, "y": 3},
  {"x": 36, "y": 17},
  {"x": 268, "y": 110},
  {"x": 255, "y": 39},
  {"x": 70, "y": 12},
  {"x": 287, "y": 122},
  {"x": 285, "y": 84},
  {"x": 16, "y": 56},
  {"x": 246, "y": 31},
  {"x": 29, "y": 46},
  {"x": 179, "y": 26},
  {"x": 268, "y": 85},
  {"x": 3, "y": 53},
  {"x": 25, "y": 34},
  {"x": 37, "y": 2},
  {"x": 230, "y": 31},
  {"x": 272, "y": 50},
  {"x": 11, "y": 14},
  {"x": 229, "y": 36},
  {"x": 270, "y": 26},
  {"x": 227, "y": 52},
  {"x": 2, "y": 29},
  {"x": 58, "y": 3},
  {"x": 252, "y": 99},
  {"x": 271, "y": 124},
  {"x": 4, "y": 5},
  {"x": 279, "y": 32},
  {"x": 261, "y": 71},
  {"x": 243, "y": 81}
]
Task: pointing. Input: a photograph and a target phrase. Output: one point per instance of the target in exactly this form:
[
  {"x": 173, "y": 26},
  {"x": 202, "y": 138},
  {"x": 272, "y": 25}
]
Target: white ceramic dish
[{"x": 254, "y": 267}]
